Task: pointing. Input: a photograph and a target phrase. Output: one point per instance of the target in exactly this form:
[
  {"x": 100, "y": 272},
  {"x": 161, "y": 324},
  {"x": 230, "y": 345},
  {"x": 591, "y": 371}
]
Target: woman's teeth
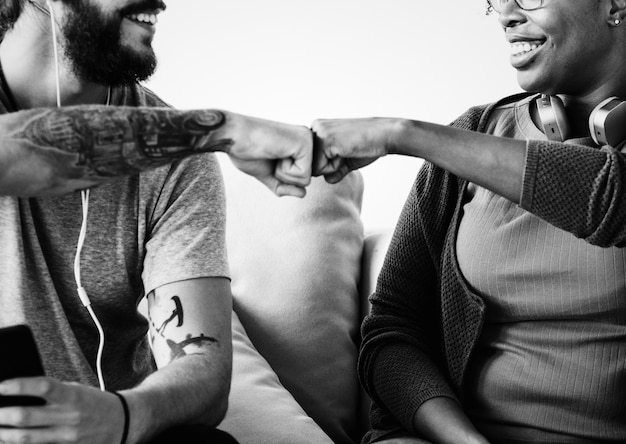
[
  {"x": 523, "y": 47},
  {"x": 150, "y": 19}
]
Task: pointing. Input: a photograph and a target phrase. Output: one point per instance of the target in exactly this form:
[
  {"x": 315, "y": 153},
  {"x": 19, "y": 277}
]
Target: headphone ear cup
[
  {"x": 606, "y": 122},
  {"x": 553, "y": 118}
]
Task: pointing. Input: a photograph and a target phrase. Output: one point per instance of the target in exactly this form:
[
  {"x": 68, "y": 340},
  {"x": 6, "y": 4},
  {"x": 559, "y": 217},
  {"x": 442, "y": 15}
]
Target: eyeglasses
[{"x": 526, "y": 5}]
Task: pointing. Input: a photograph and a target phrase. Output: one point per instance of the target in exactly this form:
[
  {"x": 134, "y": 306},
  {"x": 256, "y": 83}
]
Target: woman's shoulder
[{"x": 477, "y": 117}]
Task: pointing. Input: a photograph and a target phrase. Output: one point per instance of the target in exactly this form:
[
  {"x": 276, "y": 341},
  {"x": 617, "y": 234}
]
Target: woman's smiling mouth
[
  {"x": 520, "y": 48},
  {"x": 523, "y": 51}
]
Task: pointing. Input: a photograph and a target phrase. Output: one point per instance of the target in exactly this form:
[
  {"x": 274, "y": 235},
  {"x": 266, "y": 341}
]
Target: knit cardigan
[{"x": 425, "y": 320}]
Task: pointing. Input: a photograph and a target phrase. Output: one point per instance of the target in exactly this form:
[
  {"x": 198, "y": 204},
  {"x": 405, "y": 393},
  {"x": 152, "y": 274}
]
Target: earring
[{"x": 617, "y": 22}]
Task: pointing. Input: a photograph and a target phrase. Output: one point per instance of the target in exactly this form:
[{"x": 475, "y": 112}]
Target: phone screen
[{"x": 19, "y": 357}]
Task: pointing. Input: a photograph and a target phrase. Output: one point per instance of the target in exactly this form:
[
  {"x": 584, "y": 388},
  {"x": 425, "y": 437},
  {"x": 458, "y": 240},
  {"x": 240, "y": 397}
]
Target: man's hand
[
  {"x": 55, "y": 151},
  {"x": 278, "y": 154},
  {"x": 343, "y": 145},
  {"x": 73, "y": 414}
]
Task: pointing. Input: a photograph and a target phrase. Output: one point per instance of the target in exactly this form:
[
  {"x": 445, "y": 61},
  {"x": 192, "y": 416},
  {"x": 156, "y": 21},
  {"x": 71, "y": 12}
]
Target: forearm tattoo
[
  {"x": 178, "y": 349},
  {"x": 116, "y": 141}
]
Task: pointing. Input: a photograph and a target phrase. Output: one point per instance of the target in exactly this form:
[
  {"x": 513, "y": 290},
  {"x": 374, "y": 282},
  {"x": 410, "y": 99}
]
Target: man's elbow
[
  {"x": 216, "y": 409},
  {"x": 219, "y": 409}
]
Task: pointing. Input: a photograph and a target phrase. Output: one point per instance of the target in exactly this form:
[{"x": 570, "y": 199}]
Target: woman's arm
[
  {"x": 401, "y": 362},
  {"x": 577, "y": 188},
  {"x": 493, "y": 162},
  {"x": 443, "y": 421},
  {"x": 56, "y": 151}
]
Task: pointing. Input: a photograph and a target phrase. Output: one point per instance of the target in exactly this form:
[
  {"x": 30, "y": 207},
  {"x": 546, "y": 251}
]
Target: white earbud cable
[
  {"x": 55, "y": 48},
  {"x": 82, "y": 293}
]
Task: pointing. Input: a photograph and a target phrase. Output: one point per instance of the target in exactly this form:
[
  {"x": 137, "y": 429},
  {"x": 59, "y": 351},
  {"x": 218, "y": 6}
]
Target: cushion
[
  {"x": 261, "y": 410},
  {"x": 295, "y": 268}
]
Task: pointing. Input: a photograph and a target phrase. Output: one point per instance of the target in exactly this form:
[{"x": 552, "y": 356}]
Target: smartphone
[{"x": 19, "y": 357}]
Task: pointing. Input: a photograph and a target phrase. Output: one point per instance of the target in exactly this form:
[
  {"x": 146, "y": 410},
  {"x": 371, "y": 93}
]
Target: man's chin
[{"x": 118, "y": 71}]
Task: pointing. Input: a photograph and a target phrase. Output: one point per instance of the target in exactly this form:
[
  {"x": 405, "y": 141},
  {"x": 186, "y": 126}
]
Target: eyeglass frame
[{"x": 492, "y": 8}]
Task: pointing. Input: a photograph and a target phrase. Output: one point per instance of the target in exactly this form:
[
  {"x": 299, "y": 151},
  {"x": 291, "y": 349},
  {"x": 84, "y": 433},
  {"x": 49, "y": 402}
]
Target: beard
[{"x": 94, "y": 49}]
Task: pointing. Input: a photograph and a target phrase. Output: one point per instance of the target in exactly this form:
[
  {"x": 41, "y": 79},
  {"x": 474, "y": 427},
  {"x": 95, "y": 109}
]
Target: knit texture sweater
[{"x": 425, "y": 320}]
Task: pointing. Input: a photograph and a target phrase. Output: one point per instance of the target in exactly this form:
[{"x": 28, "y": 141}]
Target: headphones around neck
[{"x": 607, "y": 122}]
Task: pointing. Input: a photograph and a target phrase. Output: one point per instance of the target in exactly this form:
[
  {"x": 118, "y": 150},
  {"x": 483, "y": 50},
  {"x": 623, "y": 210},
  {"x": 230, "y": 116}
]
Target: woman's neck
[{"x": 578, "y": 109}]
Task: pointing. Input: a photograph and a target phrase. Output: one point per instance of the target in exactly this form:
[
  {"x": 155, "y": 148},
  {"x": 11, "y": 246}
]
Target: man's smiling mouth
[{"x": 148, "y": 19}]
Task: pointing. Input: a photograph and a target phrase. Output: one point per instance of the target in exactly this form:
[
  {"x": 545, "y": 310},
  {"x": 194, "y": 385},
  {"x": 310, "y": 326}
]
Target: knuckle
[
  {"x": 14, "y": 386},
  {"x": 24, "y": 439},
  {"x": 319, "y": 126},
  {"x": 73, "y": 419},
  {"x": 69, "y": 435},
  {"x": 21, "y": 417},
  {"x": 15, "y": 437},
  {"x": 44, "y": 386}
]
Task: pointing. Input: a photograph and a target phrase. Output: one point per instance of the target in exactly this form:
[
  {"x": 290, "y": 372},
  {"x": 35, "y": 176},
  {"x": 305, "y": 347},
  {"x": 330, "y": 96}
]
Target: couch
[{"x": 302, "y": 270}]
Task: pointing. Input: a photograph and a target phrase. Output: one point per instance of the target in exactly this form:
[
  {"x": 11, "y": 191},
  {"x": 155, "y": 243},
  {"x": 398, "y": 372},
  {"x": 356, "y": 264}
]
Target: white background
[{"x": 297, "y": 60}]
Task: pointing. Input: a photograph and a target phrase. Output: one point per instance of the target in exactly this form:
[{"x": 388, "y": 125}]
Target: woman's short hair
[{"x": 10, "y": 10}]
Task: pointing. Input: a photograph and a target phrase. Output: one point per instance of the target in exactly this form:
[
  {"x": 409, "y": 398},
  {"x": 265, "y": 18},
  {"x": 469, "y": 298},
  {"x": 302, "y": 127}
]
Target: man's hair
[{"x": 10, "y": 10}]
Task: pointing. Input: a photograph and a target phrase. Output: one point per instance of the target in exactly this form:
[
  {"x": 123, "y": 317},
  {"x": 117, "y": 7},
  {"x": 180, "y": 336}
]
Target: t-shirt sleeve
[{"x": 185, "y": 226}]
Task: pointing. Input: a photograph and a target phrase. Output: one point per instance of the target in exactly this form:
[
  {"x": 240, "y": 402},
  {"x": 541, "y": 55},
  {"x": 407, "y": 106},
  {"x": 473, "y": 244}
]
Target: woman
[{"x": 500, "y": 312}]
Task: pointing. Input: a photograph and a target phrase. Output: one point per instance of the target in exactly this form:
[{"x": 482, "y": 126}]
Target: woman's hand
[{"x": 343, "y": 145}]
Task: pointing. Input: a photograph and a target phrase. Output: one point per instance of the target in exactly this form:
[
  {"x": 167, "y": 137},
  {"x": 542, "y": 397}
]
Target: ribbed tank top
[{"x": 550, "y": 365}]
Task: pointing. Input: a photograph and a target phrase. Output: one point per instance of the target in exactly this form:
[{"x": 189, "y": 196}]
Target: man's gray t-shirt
[{"x": 144, "y": 231}]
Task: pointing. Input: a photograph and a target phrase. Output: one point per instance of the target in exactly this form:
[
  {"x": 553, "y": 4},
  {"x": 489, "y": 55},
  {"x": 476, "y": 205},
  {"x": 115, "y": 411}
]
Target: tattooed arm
[
  {"x": 56, "y": 151},
  {"x": 191, "y": 339}
]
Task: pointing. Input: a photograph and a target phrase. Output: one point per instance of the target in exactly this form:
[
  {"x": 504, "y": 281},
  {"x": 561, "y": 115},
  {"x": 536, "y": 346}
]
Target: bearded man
[{"x": 147, "y": 221}]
